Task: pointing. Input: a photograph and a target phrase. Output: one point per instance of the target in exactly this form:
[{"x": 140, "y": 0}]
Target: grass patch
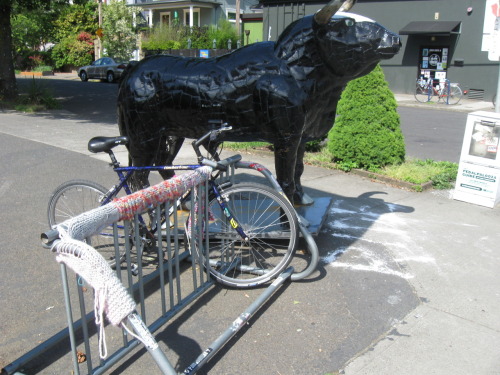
[
  {"x": 441, "y": 173},
  {"x": 248, "y": 146},
  {"x": 34, "y": 98},
  {"x": 416, "y": 171}
]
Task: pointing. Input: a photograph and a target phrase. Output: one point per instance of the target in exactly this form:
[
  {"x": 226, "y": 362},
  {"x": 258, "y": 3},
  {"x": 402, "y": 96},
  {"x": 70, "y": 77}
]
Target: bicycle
[
  {"x": 426, "y": 91},
  {"x": 253, "y": 229}
]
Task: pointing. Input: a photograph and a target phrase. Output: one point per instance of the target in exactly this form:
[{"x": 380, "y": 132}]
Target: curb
[
  {"x": 390, "y": 181},
  {"x": 45, "y": 73},
  {"x": 362, "y": 173}
]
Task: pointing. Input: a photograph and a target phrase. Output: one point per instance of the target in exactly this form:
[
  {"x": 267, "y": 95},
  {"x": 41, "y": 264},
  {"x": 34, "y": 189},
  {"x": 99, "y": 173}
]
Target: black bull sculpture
[{"x": 283, "y": 92}]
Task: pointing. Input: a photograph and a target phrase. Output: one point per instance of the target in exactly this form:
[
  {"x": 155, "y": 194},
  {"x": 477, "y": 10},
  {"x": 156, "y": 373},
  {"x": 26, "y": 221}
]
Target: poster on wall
[
  {"x": 491, "y": 30},
  {"x": 433, "y": 62}
]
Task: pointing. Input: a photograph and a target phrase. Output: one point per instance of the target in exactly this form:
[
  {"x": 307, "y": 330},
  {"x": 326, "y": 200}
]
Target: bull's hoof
[{"x": 302, "y": 200}]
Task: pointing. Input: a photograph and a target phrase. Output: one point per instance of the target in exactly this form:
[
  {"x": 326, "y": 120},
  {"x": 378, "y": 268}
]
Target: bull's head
[{"x": 349, "y": 44}]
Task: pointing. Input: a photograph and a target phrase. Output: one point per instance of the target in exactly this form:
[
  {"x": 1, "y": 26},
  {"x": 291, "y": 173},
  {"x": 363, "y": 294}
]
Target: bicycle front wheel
[
  {"x": 422, "y": 94},
  {"x": 455, "y": 95},
  {"x": 75, "y": 197},
  {"x": 270, "y": 223}
]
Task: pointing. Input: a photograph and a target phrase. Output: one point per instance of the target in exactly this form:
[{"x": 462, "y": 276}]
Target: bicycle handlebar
[
  {"x": 212, "y": 135},
  {"x": 222, "y": 164}
]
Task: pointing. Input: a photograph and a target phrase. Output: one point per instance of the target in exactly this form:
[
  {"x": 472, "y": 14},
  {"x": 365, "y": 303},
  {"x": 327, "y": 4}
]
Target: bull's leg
[
  {"x": 282, "y": 102},
  {"x": 300, "y": 198},
  {"x": 167, "y": 155},
  {"x": 285, "y": 154},
  {"x": 139, "y": 179}
]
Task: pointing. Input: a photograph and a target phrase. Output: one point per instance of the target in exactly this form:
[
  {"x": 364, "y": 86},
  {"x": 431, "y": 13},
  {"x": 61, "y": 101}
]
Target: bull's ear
[{"x": 322, "y": 17}]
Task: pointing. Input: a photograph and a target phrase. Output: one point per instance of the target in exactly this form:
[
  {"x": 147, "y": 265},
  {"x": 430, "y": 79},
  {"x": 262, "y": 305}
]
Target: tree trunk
[{"x": 8, "y": 86}]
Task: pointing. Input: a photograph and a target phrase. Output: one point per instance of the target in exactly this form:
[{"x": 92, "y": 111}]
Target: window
[
  {"x": 165, "y": 18},
  {"x": 231, "y": 15},
  {"x": 196, "y": 17}
]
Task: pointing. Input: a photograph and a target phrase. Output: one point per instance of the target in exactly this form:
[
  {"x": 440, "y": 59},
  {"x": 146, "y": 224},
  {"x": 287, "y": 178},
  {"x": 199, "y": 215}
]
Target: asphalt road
[
  {"x": 94, "y": 101},
  {"x": 432, "y": 134}
]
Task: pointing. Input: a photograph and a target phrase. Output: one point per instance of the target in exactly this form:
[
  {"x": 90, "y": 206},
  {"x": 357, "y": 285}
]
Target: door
[
  {"x": 93, "y": 71},
  {"x": 433, "y": 62}
]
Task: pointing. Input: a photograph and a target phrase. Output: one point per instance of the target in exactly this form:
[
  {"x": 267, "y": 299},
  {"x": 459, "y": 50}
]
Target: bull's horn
[{"x": 324, "y": 14}]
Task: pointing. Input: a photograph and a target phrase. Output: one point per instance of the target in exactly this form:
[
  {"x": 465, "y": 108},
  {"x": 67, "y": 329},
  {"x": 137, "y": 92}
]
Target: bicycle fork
[{"x": 232, "y": 220}]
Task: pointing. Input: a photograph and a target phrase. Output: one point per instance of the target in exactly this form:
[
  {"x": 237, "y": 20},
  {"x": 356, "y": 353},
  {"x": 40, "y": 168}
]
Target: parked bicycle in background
[{"x": 427, "y": 90}]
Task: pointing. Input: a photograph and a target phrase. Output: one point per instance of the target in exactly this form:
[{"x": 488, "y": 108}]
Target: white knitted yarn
[
  {"x": 110, "y": 296},
  {"x": 91, "y": 222}
]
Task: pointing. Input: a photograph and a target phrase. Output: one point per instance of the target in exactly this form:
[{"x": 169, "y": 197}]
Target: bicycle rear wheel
[
  {"x": 455, "y": 95},
  {"x": 269, "y": 221},
  {"x": 75, "y": 197}
]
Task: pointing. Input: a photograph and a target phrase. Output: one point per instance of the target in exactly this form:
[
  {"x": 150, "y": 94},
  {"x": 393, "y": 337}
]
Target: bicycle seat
[{"x": 105, "y": 144}]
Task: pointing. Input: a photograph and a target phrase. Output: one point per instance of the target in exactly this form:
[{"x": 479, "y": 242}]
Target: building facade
[
  {"x": 441, "y": 38},
  {"x": 191, "y": 13}
]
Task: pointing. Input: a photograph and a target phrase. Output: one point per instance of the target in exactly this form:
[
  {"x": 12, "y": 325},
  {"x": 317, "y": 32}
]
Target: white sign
[
  {"x": 477, "y": 184},
  {"x": 491, "y": 30},
  {"x": 478, "y": 179}
]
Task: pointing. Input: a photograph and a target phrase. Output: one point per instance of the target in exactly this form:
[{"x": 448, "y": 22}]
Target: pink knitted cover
[{"x": 170, "y": 189}]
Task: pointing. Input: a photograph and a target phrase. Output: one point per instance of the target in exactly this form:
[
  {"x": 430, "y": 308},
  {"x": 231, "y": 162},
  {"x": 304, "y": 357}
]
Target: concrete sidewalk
[
  {"x": 465, "y": 105},
  {"x": 445, "y": 249}
]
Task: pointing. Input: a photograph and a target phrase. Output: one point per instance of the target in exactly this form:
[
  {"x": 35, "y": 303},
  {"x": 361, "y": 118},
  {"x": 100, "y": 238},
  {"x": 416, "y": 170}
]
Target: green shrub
[
  {"x": 222, "y": 33},
  {"x": 177, "y": 36},
  {"x": 367, "y": 133},
  {"x": 315, "y": 146},
  {"x": 43, "y": 68},
  {"x": 77, "y": 50}
]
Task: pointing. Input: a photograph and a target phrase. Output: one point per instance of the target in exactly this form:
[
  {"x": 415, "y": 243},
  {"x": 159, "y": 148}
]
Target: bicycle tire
[
  {"x": 455, "y": 95},
  {"x": 269, "y": 221},
  {"x": 422, "y": 94},
  {"x": 75, "y": 197}
]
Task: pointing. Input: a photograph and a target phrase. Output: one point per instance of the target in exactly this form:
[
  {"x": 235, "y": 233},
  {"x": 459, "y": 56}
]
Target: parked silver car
[{"x": 105, "y": 69}]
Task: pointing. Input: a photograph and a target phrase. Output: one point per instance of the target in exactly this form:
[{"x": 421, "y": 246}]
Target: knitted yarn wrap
[
  {"x": 170, "y": 189},
  {"x": 110, "y": 296},
  {"x": 90, "y": 223}
]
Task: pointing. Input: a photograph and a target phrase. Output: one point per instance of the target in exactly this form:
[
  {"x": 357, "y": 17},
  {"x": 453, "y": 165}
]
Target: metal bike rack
[{"x": 161, "y": 292}]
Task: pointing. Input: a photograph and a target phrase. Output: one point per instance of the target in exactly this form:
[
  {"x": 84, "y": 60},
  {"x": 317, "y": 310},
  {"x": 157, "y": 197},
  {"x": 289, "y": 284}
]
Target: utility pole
[
  {"x": 238, "y": 5},
  {"x": 99, "y": 32}
]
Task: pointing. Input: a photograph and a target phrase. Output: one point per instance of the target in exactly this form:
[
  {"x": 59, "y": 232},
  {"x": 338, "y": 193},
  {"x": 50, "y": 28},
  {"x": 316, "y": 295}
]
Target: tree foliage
[
  {"x": 30, "y": 30},
  {"x": 8, "y": 10},
  {"x": 75, "y": 19},
  {"x": 367, "y": 131},
  {"x": 120, "y": 38}
]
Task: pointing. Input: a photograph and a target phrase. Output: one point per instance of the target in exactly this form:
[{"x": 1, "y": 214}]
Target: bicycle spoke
[{"x": 271, "y": 227}]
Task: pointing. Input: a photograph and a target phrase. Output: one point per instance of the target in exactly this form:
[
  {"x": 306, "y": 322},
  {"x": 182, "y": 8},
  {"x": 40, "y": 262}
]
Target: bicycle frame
[
  {"x": 125, "y": 173},
  {"x": 428, "y": 86}
]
